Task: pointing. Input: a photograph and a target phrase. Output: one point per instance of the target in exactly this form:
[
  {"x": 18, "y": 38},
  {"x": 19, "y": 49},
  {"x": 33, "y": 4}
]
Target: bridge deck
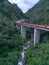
[{"x": 42, "y": 27}]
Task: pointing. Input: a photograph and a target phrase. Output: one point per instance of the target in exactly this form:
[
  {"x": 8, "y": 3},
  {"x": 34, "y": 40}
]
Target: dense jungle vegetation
[
  {"x": 39, "y": 14},
  {"x": 11, "y": 41},
  {"x": 38, "y": 55}
]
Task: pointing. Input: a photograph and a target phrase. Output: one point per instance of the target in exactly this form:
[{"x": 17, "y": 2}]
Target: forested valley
[
  {"x": 11, "y": 41},
  {"x": 39, "y": 14}
]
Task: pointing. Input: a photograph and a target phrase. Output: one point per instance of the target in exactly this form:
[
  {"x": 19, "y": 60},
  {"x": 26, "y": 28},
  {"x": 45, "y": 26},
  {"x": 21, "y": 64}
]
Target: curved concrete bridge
[{"x": 36, "y": 27}]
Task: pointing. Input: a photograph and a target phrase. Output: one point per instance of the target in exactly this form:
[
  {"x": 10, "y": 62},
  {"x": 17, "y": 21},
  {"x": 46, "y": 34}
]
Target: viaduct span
[{"x": 36, "y": 27}]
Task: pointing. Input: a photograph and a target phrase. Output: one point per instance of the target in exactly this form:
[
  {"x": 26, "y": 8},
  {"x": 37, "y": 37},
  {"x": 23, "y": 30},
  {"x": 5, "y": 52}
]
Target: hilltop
[{"x": 39, "y": 14}]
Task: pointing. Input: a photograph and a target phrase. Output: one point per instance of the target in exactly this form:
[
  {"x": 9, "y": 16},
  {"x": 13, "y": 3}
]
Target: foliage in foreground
[
  {"x": 10, "y": 43},
  {"x": 38, "y": 55}
]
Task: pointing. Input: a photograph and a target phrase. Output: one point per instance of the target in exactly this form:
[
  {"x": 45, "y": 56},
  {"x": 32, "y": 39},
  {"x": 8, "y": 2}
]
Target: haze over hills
[{"x": 39, "y": 14}]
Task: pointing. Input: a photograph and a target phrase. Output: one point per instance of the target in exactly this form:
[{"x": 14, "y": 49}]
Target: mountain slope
[
  {"x": 39, "y": 13},
  {"x": 10, "y": 11},
  {"x": 38, "y": 55},
  {"x": 11, "y": 41}
]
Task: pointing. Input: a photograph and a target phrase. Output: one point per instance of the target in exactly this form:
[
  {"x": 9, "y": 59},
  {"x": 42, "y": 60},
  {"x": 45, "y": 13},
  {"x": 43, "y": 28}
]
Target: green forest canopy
[
  {"x": 11, "y": 41},
  {"x": 39, "y": 14}
]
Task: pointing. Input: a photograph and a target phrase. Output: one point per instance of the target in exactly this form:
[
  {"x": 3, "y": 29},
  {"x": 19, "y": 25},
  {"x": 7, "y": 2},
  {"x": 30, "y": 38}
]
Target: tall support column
[
  {"x": 36, "y": 36},
  {"x": 23, "y": 32},
  {"x": 18, "y": 27}
]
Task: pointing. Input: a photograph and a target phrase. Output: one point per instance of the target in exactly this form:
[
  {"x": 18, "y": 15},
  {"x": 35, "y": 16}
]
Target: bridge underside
[
  {"x": 36, "y": 27},
  {"x": 36, "y": 34}
]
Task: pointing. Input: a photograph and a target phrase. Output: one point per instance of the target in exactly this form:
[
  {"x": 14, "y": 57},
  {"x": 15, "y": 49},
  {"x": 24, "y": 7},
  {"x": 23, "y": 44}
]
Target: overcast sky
[{"x": 25, "y": 5}]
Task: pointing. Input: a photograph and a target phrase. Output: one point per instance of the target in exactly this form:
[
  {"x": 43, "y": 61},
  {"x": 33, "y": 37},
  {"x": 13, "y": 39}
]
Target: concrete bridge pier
[
  {"x": 18, "y": 27},
  {"x": 36, "y": 36},
  {"x": 23, "y": 32}
]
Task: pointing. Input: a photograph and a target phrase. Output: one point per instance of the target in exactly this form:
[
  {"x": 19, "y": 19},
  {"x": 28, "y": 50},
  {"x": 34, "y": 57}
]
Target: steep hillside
[
  {"x": 39, "y": 14},
  {"x": 11, "y": 41},
  {"x": 38, "y": 55},
  {"x": 10, "y": 11}
]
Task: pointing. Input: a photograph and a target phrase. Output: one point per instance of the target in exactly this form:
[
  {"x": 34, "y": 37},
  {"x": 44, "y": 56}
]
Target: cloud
[{"x": 24, "y": 4}]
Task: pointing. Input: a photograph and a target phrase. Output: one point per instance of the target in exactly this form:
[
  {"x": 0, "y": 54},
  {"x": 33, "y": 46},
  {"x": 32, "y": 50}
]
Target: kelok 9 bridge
[{"x": 36, "y": 27}]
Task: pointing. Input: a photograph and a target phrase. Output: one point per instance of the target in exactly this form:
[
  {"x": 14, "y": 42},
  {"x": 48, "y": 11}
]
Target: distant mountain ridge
[
  {"x": 39, "y": 14},
  {"x": 10, "y": 11}
]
